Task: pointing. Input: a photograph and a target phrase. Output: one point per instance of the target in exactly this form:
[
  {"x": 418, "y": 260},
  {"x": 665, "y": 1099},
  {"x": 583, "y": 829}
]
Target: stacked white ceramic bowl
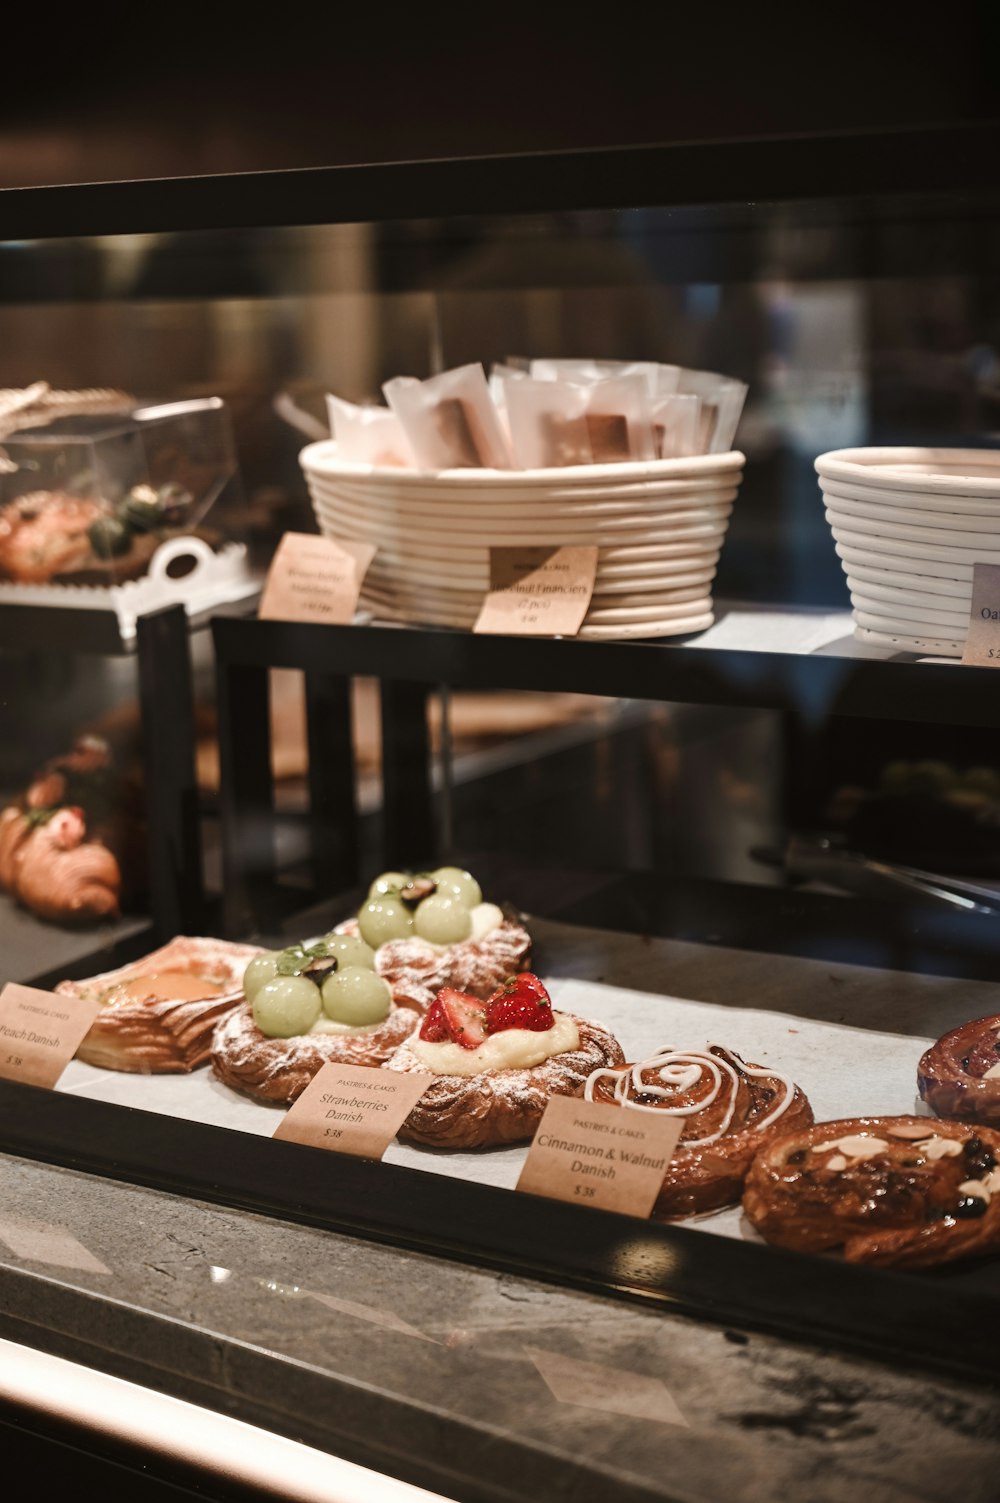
[
  {"x": 909, "y": 525},
  {"x": 659, "y": 527}
]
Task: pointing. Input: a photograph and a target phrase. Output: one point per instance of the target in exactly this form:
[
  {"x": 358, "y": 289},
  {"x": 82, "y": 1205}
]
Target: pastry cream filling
[{"x": 513, "y": 1049}]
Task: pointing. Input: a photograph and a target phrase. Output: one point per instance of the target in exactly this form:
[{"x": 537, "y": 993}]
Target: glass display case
[{"x": 730, "y": 813}]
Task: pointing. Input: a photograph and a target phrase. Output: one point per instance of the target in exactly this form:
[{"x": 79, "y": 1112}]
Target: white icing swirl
[{"x": 680, "y": 1070}]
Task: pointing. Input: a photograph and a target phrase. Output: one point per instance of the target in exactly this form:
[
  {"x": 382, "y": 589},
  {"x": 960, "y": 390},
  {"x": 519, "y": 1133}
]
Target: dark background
[{"x": 117, "y": 92}]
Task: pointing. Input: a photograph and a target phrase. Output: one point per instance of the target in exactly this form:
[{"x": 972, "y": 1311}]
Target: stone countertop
[{"x": 483, "y": 1386}]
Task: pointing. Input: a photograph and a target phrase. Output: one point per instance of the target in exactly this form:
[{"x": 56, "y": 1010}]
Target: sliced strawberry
[
  {"x": 465, "y": 1017},
  {"x": 521, "y": 1002},
  {"x": 434, "y": 1028}
]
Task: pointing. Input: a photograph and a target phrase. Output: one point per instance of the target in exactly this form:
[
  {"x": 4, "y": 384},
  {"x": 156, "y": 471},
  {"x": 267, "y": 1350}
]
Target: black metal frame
[
  {"x": 944, "y": 1321},
  {"x": 850, "y": 163},
  {"x": 410, "y": 663}
]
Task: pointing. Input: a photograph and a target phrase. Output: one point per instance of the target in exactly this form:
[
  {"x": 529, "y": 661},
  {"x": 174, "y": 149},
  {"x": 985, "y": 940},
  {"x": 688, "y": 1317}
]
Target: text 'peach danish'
[
  {"x": 902, "y": 1191},
  {"x": 432, "y": 929},
  {"x": 308, "y": 1005},
  {"x": 729, "y": 1110},
  {"x": 496, "y": 1063},
  {"x": 158, "y": 1014},
  {"x": 959, "y": 1076}
]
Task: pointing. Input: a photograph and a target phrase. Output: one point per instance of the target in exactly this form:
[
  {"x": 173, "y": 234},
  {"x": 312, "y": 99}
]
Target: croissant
[
  {"x": 959, "y": 1076},
  {"x": 14, "y": 830},
  {"x": 74, "y": 841},
  {"x": 901, "y": 1191},
  {"x": 729, "y": 1110},
  {"x": 64, "y": 882}
]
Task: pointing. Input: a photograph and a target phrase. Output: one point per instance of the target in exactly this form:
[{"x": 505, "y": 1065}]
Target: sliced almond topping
[
  {"x": 910, "y": 1130},
  {"x": 975, "y": 1187},
  {"x": 859, "y": 1146},
  {"x": 825, "y": 1147},
  {"x": 992, "y": 1181},
  {"x": 836, "y": 1162},
  {"x": 993, "y": 1073},
  {"x": 942, "y": 1148}
]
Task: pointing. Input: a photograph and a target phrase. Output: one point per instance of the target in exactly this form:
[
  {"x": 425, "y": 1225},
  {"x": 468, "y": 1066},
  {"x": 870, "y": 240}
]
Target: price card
[
  {"x": 597, "y": 1154},
  {"x": 353, "y": 1109},
  {"x": 538, "y": 592},
  {"x": 982, "y": 646},
  {"x": 40, "y": 1032},
  {"x": 315, "y": 579}
]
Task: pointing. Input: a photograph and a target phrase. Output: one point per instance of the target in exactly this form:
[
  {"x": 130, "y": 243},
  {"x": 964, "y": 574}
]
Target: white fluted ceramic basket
[
  {"x": 908, "y": 526},
  {"x": 659, "y": 527}
]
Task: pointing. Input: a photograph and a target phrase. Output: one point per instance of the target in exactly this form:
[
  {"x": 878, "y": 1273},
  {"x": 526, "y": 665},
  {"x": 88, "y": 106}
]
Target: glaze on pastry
[
  {"x": 159, "y": 1013},
  {"x": 496, "y": 1063},
  {"x": 901, "y": 1191},
  {"x": 729, "y": 1108},
  {"x": 304, "y": 1007},
  {"x": 959, "y": 1076}
]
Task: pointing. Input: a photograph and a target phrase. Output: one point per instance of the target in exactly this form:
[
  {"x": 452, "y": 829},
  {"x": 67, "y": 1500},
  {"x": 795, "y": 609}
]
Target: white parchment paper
[{"x": 844, "y": 1071}]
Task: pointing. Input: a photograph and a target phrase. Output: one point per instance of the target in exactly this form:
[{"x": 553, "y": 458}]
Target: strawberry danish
[
  {"x": 959, "y": 1076},
  {"x": 901, "y": 1191},
  {"x": 496, "y": 1063},
  {"x": 729, "y": 1108}
]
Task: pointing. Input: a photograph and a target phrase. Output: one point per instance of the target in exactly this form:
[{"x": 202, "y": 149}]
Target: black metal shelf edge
[
  {"x": 898, "y": 1317},
  {"x": 955, "y": 157},
  {"x": 654, "y": 670}
]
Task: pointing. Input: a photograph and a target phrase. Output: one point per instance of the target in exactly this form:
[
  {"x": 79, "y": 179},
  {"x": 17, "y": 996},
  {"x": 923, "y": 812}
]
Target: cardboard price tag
[
  {"x": 40, "y": 1032},
  {"x": 352, "y": 1109},
  {"x": 538, "y": 592},
  {"x": 596, "y": 1154},
  {"x": 982, "y": 645},
  {"x": 315, "y": 579}
]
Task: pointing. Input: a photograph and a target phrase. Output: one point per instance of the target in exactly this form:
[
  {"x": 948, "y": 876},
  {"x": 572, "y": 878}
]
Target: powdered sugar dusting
[
  {"x": 280, "y": 1069},
  {"x": 416, "y": 970}
]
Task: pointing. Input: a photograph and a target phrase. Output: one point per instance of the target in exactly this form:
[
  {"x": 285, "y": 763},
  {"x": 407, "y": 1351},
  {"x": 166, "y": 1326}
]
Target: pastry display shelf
[
  {"x": 938, "y": 1319},
  {"x": 797, "y": 660}
]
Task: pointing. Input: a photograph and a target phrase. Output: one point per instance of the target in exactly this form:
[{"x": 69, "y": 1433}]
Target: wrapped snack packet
[
  {"x": 450, "y": 420},
  {"x": 500, "y": 373},
  {"x": 599, "y": 370},
  {"x": 547, "y": 425},
  {"x": 675, "y": 422},
  {"x": 368, "y": 435},
  {"x": 556, "y": 422},
  {"x": 722, "y": 400}
]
